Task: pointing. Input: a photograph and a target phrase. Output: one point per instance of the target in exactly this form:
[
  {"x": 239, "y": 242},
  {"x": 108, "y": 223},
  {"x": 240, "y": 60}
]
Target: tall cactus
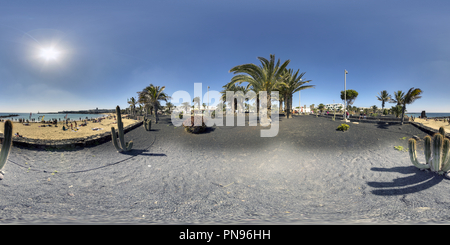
[
  {"x": 147, "y": 124},
  {"x": 123, "y": 146},
  {"x": 7, "y": 143},
  {"x": 440, "y": 162}
]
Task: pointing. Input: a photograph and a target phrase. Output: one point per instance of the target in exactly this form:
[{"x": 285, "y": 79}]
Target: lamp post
[
  {"x": 208, "y": 101},
  {"x": 299, "y": 104},
  {"x": 345, "y": 94}
]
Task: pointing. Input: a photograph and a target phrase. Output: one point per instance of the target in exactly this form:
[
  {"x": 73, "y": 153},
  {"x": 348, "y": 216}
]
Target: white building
[
  {"x": 334, "y": 106},
  {"x": 302, "y": 109}
]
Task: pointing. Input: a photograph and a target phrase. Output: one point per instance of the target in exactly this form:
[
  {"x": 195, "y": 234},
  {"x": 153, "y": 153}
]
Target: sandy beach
[
  {"x": 434, "y": 124},
  {"x": 37, "y": 131}
]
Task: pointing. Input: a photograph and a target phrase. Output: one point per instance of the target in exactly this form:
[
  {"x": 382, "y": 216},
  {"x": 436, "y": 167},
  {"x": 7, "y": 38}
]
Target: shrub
[
  {"x": 343, "y": 127},
  {"x": 191, "y": 122}
]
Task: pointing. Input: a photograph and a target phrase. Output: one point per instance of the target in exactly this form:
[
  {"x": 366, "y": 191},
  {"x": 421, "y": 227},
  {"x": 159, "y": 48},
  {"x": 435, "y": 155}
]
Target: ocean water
[
  {"x": 51, "y": 116},
  {"x": 430, "y": 115}
]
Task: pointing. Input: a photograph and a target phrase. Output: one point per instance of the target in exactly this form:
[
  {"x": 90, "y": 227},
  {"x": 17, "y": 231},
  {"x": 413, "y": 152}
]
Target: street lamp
[
  {"x": 208, "y": 100},
  {"x": 345, "y": 94},
  {"x": 299, "y": 104}
]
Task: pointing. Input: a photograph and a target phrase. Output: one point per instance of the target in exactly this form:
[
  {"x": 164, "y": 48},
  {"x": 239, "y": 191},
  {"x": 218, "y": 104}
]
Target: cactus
[
  {"x": 440, "y": 163},
  {"x": 7, "y": 143},
  {"x": 147, "y": 124},
  {"x": 123, "y": 146}
]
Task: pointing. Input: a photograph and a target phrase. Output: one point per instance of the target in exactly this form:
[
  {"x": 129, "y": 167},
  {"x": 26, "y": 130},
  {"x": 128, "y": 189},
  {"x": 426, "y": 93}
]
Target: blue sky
[{"x": 110, "y": 50}]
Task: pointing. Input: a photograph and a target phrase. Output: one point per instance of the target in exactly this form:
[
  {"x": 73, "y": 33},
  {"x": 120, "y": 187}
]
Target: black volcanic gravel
[{"x": 309, "y": 172}]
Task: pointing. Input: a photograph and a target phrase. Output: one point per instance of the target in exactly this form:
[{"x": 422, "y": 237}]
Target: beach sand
[
  {"x": 433, "y": 124},
  {"x": 36, "y": 131}
]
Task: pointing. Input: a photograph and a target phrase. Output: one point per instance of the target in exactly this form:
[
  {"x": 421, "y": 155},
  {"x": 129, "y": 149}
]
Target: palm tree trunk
[
  {"x": 155, "y": 107},
  {"x": 286, "y": 108},
  {"x": 403, "y": 113},
  {"x": 290, "y": 107},
  {"x": 281, "y": 105},
  {"x": 257, "y": 105}
]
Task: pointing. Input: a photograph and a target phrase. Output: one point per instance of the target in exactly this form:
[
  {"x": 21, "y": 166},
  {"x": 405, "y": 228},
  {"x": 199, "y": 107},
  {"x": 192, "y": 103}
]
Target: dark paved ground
[{"x": 310, "y": 172}]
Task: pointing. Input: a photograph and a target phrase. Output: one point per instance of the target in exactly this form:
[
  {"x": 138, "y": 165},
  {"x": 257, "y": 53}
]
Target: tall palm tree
[
  {"x": 383, "y": 97},
  {"x": 132, "y": 103},
  {"x": 265, "y": 77},
  {"x": 412, "y": 95},
  {"x": 397, "y": 97},
  {"x": 293, "y": 84},
  {"x": 152, "y": 95}
]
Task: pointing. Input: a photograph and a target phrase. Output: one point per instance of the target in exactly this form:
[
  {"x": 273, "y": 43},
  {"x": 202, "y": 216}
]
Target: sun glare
[{"x": 49, "y": 54}]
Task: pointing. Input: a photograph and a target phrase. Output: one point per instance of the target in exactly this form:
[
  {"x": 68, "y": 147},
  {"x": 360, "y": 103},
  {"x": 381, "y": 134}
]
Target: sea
[
  {"x": 429, "y": 115},
  {"x": 46, "y": 117}
]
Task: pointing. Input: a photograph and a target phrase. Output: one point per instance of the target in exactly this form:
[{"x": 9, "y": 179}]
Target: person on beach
[
  {"x": 71, "y": 126},
  {"x": 18, "y": 135}
]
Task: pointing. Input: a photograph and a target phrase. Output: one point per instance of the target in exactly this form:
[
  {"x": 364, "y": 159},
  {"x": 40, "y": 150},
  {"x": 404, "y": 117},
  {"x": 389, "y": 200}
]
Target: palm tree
[
  {"x": 412, "y": 95},
  {"x": 140, "y": 109},
  {"x": 132, "y": 103},
  {"x": 186, "y": 106},
  {"x": 266, "y": 77},
  {"x": 397, "y": 97},
  {"x": 196, "y": 100},
  {"x": 396, "y": 110},
  {"x": 383, "y": 97},
  {"x": 233, "y": 88},
  {"x": 152, "y": 95},
  {"x": 293, "y": 84},
  {"x": 374, "y": 109},
  {"x": 169, "y": 106}
]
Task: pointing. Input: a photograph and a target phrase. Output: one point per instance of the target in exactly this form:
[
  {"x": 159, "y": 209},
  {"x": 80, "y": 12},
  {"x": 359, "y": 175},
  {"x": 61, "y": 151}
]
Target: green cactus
[
  {"x": 442, "y": 131},
  {"x": 123, "y": 146},
  {"x": 7, "y": 143},
  {"x": 147, "y": 124},
  {"x": 440, "y": 163}
]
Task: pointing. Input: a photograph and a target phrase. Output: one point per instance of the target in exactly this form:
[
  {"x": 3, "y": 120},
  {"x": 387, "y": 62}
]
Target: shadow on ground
[{"x": 419, "y": 181}]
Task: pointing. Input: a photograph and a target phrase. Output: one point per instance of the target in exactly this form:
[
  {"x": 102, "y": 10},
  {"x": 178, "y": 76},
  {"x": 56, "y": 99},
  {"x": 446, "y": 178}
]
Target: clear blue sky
[{"x": 109, "y": 50}]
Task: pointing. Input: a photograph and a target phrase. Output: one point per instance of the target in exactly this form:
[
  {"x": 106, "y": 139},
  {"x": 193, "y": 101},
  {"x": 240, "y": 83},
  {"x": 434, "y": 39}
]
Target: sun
[{"x": 49, "y": 54}]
